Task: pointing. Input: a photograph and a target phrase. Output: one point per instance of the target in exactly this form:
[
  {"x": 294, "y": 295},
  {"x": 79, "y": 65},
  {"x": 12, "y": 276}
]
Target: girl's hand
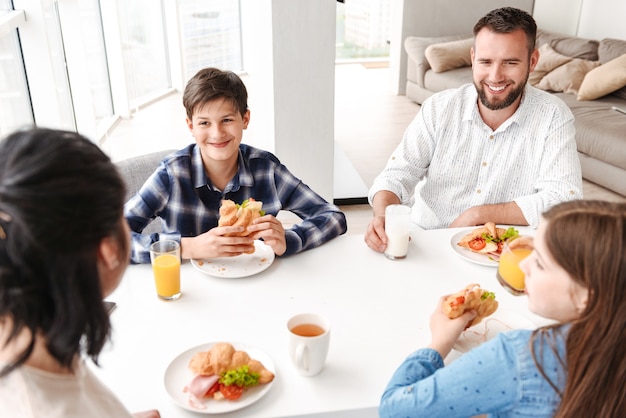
[{"x": 445, "y": 331}]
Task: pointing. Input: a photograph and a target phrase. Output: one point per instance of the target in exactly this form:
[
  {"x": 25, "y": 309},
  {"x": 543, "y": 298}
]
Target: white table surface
[{"x": 379, "y": 310}]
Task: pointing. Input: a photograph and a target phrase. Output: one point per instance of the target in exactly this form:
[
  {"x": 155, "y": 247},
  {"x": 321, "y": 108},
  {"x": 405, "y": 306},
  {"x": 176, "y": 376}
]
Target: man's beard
[{"x": 503, "y": 104}]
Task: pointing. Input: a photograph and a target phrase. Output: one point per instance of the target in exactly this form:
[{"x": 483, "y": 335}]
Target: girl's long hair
[{"x": 588, "y": 239}]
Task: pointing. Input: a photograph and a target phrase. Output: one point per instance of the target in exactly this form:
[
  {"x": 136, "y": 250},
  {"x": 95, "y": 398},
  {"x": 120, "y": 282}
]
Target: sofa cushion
[
  {"x": 448, "y": 55},
  {"x": 415, "y": 48},
  {"x": 610, "y": 49},
  {"x": 604, "y": 79},
  {"x": 567, "y": 77},
  {"x": 569, "y": 45},
  {"x": 549, "y": 59},
  {"x": 451, "y": 79},
  {"x": 599, "y": 129}
]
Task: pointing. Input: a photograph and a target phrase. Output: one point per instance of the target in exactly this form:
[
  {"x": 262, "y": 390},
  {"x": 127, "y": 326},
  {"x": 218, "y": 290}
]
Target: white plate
[
  {"x": 500, "y": 321},
  {"x": 243, "y": 265},
  {"x": 469, "y": 255},
  {"x": 178, "y": 375}
]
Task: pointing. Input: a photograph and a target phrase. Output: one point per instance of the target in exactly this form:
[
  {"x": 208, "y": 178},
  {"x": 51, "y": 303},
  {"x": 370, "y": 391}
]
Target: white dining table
[{"x": 379, "y": 311}]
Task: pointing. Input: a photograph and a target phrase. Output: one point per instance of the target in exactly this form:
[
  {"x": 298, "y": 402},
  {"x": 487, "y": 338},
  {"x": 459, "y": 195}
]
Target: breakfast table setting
[{"x": 376, "y": 312}]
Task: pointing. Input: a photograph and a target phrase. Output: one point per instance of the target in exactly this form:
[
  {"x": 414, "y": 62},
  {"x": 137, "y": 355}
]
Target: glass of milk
[{"x": 397, "y": 227}]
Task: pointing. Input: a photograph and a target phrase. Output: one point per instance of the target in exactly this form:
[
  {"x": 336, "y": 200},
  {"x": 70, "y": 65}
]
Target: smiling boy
[{"x": 187, "y": 188}]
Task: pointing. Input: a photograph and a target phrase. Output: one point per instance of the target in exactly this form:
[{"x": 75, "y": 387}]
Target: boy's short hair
[{"x": 212, "y": 83}]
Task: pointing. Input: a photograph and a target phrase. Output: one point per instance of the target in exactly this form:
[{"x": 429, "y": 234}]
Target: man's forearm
[
  {"x": 501, "y": 213},
  {"x": 381, "y": 200}
]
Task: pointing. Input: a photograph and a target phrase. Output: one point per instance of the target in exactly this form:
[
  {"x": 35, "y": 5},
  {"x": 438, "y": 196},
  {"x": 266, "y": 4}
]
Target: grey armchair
[{"x": 135, "y": 172}]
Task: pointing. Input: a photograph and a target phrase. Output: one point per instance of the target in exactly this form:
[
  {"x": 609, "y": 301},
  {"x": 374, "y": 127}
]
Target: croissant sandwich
[
  {"x": 224, "y": 373},
  {"x": 487, "y": 239},
  {"x": 233, "y": 214},
  {"x": 468, "y": 299}
]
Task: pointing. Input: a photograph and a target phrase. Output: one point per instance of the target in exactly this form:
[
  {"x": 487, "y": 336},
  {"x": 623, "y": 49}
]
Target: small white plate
[
  {"x": 243, "y": 265},
  {"x": 178, "y": 375},
  {"x": 500, "y": 321}
]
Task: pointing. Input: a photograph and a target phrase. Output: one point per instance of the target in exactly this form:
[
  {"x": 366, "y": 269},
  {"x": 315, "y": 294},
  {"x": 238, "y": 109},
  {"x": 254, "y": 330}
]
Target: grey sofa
[{"x": 600, "y": 130}]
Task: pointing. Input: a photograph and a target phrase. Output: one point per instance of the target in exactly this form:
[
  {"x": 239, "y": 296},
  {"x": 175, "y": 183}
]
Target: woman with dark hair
[
  {"x": 64, "y": 246},
  {"x": 576, "y": 276}
]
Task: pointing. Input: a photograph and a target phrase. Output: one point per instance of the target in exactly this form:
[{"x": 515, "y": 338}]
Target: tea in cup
[{"x": 309, "y": 338}]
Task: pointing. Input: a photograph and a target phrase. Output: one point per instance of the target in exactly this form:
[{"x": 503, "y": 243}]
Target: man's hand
[
  {"x": 214, "y": 243},
  {"x": 272, "y": 231},
  {"x": 375, "y": 236}
]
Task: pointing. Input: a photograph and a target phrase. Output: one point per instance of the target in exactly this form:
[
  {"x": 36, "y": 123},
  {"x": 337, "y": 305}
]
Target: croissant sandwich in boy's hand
[
  {"x": 224, "y": 373},
  {"x": 233, "y": 214},
  {"x": 468, "y": 299}
]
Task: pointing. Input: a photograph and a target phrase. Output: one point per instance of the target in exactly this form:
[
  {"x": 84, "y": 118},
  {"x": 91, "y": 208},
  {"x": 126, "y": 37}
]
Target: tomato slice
[
  {"x": 231, "y": 392},
  {"x": 212, "y": 390},
  {"x": 477, "y": 244}
]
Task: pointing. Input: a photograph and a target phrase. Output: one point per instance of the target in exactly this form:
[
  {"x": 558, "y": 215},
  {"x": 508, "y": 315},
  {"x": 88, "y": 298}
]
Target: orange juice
[
  {"x": 166, "y": 269},
  {"x": 508, "y": 267}
]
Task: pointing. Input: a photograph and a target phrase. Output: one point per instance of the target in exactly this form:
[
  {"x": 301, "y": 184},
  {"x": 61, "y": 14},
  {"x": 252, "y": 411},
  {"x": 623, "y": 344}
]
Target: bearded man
[{"x": 496, "y": 150}]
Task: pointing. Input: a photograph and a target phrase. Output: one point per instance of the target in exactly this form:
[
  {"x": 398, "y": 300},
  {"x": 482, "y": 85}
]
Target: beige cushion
[
  {"x": 448, "y": 55},
  {"x": 604, "y": 79},
  {"x": 570, "y": 46},
  {"x": 608, "y": 50},
  {"x": 567, "y": 77},
  {"x": 549, "y": 59}
]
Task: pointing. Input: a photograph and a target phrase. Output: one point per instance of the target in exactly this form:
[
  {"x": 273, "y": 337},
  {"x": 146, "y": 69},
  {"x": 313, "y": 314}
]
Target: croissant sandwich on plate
[
  {"x": 468, "y": 299},
  {"x": 487, "y": 239},
  {"x": 233, "y": 214},
  {"x": 224, "y": 373}
]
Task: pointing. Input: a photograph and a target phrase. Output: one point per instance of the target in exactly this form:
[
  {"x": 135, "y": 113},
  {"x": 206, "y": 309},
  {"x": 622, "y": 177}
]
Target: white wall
[
  {"x": 595, "y": 19},
  {"x": 560, "y": 16},
  {"x": 290, "y": 61},
  {"x": 603, "y": 19}
]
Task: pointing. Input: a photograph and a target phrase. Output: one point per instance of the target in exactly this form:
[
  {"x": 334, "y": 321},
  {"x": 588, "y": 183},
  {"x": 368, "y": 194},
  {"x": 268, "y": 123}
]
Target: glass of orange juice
[
  {"x": 165, "y": 258},
  {"x": 509, "y": 275}
]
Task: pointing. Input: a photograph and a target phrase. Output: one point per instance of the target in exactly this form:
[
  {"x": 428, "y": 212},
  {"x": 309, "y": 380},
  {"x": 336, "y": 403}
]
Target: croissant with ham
[
  {"x": 223, "y": 373},
  {"x": 472, "y": 297},
  {"x": 223, "y": 357},
  {"x": 233, "y": 214}
]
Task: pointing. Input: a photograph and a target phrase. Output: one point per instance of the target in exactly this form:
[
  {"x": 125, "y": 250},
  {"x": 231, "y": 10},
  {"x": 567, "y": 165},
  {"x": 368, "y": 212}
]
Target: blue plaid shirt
[{"x": 180, "y": 192}]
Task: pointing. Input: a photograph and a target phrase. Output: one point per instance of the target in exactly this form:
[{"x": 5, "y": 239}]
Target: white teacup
[{"x": 309, "y": 337}]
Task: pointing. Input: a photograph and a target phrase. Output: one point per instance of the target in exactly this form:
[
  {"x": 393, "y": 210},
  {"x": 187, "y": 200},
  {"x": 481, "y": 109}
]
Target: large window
[
  {"x": 144, "y": 49},
  {"x": 362, "y": 30},
  {"x": 211, "y": 35},
  {"x": 15, "y": 107},
  {"x": 82, "y": 64}
]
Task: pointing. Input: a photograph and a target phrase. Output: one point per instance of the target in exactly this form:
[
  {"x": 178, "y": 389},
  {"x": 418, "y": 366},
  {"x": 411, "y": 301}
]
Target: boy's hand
[
  {"x": 213, "y": 243},
  {"x": 272, "y": 231}
]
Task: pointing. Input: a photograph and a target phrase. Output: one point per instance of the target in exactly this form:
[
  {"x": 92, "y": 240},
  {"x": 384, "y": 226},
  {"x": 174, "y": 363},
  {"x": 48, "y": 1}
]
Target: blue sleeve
[
  {"x": 142, "y": 208},
  {"x": 321, "y": 221},
  {"x": 483, "y": 380}
]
